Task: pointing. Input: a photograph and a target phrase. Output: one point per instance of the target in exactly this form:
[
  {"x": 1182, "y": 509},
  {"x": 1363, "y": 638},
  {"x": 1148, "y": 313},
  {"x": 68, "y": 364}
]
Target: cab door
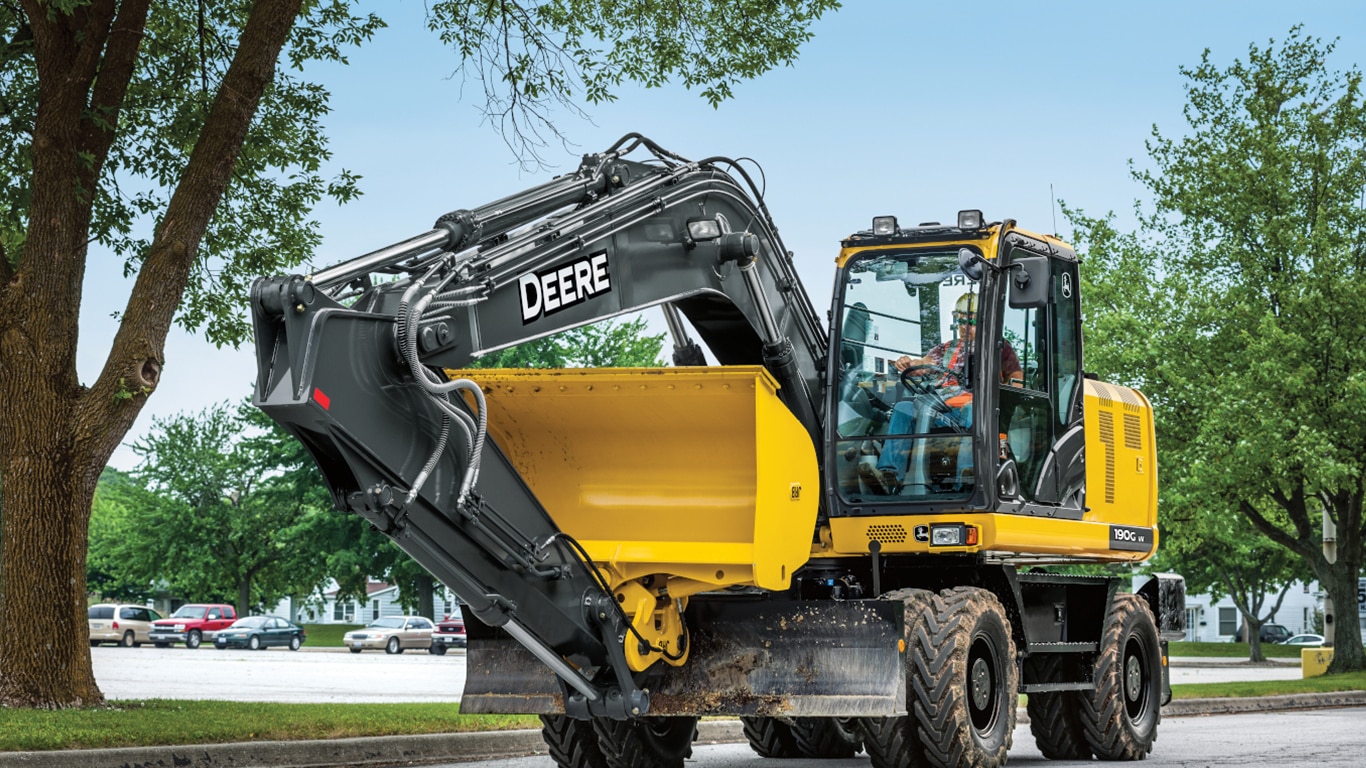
[{"x": 1041, "y": 420}]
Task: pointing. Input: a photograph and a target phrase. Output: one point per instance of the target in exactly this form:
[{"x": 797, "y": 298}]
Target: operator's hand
[
  {"x": 1016, "y": 379},
  {"x": 906, "y": 361}
]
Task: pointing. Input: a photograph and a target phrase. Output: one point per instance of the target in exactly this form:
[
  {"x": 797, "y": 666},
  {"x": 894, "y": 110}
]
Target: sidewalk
[{"x": 455, "y": 747}]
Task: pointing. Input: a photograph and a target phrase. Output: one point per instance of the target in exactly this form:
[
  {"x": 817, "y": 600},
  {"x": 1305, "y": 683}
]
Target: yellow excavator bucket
[{"x": 700, "y": 474}]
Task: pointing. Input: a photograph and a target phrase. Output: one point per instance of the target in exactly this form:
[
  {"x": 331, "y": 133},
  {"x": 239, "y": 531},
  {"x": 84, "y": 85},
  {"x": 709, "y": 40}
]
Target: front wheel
[
  {"x": 94, "y": 643},
  {"x": 572, "y": 743},
  {"x": 436, "y": 650},
  {"x": 649, "y": 742},
  {"x": 392, "y": 646},
  {"x": 1120, "y": 716},
  {"x": 193, "y": 639},
  {"x": 355, "y": 650},
  {"x": 965, "y": 682},
  {"x": 254, "y": 643},
  {"x": 893, "y": 742}
]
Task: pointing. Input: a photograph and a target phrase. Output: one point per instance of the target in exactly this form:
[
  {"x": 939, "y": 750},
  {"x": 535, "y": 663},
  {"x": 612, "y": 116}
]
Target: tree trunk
[
  {"x": 244, "y": 597},
  {"x": 1345, "y": 632},
  {"x": 1253, "y": 632}
]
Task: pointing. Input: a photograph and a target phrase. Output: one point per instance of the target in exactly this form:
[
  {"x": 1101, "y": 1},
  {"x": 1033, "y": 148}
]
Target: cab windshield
[{"x": 904, "y": 412}]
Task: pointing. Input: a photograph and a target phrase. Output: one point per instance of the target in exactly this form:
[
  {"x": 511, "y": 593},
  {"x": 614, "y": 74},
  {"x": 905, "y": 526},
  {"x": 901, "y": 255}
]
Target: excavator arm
[{"x": 365, "y": 361}]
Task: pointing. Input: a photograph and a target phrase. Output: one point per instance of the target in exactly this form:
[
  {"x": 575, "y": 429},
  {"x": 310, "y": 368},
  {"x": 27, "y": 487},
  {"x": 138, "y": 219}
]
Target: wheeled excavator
[{"x": 841, "y": 530}]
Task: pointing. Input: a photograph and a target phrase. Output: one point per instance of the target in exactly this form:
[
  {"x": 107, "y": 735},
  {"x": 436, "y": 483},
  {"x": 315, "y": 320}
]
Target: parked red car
[
  {"x": 450, "y": 633},
  {"x": 192, "y": 624}
]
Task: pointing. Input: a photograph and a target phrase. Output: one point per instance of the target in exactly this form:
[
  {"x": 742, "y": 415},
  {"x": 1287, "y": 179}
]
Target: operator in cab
[{"x": 940, "y": 397}]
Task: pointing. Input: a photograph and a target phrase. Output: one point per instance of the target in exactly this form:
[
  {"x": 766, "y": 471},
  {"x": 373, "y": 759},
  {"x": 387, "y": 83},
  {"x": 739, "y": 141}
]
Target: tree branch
[
  {"x": 115, "y": 74},
  {"x": 136, "y": 356},
  {"x": 1274, "y": 532}
]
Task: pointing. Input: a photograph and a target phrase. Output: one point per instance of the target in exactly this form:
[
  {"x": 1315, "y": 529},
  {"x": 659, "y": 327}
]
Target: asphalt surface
[{"x": 466, "y": 747}]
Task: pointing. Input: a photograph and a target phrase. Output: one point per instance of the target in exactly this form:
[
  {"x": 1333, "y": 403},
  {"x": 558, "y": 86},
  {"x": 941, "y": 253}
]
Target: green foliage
[
  {"x": 533, "y": 56},
  {"x": 1236, "y": 308},
  {"x": 161, "y": 721},
  {"x": 609, "y": 344},
  {"x": 221, "y": 506}
]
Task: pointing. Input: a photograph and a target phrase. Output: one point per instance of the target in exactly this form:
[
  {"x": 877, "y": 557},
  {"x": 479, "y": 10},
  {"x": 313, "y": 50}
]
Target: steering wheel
[{"x": 916, "y": 377}]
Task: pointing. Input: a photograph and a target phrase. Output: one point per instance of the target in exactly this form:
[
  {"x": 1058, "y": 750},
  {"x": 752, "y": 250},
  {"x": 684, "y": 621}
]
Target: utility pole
[{"x": 1330, "y": 553}]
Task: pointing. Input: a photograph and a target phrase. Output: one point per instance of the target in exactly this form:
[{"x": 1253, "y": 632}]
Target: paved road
[
  {"x": 333, "y": 675},
  {"x": 1331, "y": 738},
  {"x": 309, "y": 675}
]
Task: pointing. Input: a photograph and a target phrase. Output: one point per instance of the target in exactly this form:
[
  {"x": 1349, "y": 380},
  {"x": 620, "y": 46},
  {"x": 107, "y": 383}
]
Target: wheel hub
[
  {"x": 980, "y": 683},
  {"x": 1133, "y": 678}
]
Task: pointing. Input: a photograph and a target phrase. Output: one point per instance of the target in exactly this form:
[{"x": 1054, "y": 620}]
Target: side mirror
[
  {"x": 972, "y": 263},
  {"x": 1029, "y": 282}
]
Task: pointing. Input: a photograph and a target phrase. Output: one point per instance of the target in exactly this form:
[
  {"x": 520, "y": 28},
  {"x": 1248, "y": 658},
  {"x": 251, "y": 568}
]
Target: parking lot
[
  {"x": 309, "y": 675},
  {"x": 330, "y": 674}
]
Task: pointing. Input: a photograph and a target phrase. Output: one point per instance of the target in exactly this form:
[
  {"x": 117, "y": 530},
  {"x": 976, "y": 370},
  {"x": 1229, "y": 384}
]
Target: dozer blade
[{"x": 749, "y": 657}]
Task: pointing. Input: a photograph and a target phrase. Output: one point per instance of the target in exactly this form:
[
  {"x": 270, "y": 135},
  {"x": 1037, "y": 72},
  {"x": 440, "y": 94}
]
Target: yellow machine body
[{"x": 699, "y": 475}]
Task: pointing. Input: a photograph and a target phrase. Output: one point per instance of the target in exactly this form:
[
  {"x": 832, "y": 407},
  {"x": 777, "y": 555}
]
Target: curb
[{"x": 491, "y": 745}]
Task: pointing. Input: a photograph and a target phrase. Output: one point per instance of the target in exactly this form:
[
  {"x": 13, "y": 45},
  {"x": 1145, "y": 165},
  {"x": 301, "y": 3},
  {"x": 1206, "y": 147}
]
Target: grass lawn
[
  {"x": 1233, "y": 650},
  {"x": 163, "y": 721},
  {"x": 327, "y": 635},
  {"x": 1352, "y": 681}
]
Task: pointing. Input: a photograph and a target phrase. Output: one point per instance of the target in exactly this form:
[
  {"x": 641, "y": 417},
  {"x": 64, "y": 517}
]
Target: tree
[
  {"x": 164, "y": 133},
  {"x": 213, "y": 514},
  {"x": 1237, "y": 305}
]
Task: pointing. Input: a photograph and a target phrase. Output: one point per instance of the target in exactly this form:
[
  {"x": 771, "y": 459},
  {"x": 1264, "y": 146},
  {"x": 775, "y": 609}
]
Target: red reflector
[{"x": 321, "y": 399}]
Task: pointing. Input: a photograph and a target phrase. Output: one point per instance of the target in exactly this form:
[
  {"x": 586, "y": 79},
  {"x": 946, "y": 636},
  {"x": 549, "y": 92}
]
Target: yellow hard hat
[{"x": 967, "y": 304}]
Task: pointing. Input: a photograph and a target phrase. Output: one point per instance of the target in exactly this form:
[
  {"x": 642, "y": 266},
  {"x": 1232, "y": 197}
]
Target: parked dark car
[
  {"x": 257, "y": 632},
  {"x": 1271, "y": 633},
  {"x": 449, "y": 633}
]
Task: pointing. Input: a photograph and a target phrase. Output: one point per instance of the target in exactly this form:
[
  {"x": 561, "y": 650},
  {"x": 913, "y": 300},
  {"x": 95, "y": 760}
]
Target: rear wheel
[
  {"x": 769, "y": 737},
  {"x": 892, "y": 742},
  {"x": 964, "y": 679},
  {"x": 162, "y": 645},
  {"x": 1120, "y": 715},
  {"x": 193, "y": 639},
  {"x": 648, "y": 742},
  {"x": 295, "y": 642},
  {"x": 826, "y": 738},
  {"x": 393, "y": 646},
  {"x": 572, "y": 743},
  {"x": 127, "y": 640},
  {"x": 94, "y": 643},
  {"x": 1055, "y": 717},
  {"x": 254, "y": 643}
]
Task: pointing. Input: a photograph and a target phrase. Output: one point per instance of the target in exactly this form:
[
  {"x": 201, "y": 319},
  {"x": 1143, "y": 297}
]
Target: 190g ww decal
[{"x": 1131, "y": 539}]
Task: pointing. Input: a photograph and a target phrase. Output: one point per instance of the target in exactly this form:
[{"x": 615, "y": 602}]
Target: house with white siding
[
  {"x": 381, "y": 599},
  {"x": 1217, "y": 621}
]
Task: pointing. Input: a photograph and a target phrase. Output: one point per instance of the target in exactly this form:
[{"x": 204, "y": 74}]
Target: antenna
[{"x": 1053, "y": 200}]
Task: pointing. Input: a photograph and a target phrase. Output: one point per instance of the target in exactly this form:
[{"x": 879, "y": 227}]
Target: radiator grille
[
  {"x": 1107, "y": 439},
  {"x": 1133, "y": 435}
]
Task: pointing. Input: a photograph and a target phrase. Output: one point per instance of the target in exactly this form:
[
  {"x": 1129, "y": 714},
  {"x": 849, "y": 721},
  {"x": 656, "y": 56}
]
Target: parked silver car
[{"x": 395, "y": 634}]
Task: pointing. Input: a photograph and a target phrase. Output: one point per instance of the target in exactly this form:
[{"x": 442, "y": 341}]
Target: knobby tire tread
[
  {"x": 572, "y": 743},
  {"x": 891, "y": 742},
  {"x": 636, "y": 744},
  {"x": 939, "y": 680},
  {"x": 1109, "y": 729},
  {"x": 769, "y": 737},
  {"x": 825, "y": 738},
  {"x": 1055, "y": 719}
]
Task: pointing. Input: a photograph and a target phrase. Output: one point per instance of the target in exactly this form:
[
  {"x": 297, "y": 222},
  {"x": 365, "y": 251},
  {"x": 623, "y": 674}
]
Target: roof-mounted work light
[
  {"x": 970, "y": 219},
  {"x": 884, "y": 225}
]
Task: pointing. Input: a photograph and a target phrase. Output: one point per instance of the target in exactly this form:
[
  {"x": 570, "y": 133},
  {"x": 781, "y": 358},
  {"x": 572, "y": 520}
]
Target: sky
[{"x": 895, "y": 107}]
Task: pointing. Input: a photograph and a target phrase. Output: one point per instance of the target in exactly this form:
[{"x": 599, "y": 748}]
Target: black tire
[
  {"x": 826, "y": 738},
  {"x": 254, "y": 643},
  {"x": 193, "y": 639},
  {"x": 354, "y": 650},
  {"x": 892, "y": 742},
  {"x": 572, "y": 743},
  {"x": 436, "y": 650},
  {"x": 94, "y": 643},
  {"x": 1120, "y": 716},
  {"x": 393, "y": 646},
  {"x": 648, "y": 742},
  {"x": 769, "y": 737},
  {"x": 1055, "y": 717},
  {"x": 127, "y": 641},
  {"x": 162, "y": 645},
  {"x": 295, "y": 642},
  {"x": 964, "y": 680}
]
